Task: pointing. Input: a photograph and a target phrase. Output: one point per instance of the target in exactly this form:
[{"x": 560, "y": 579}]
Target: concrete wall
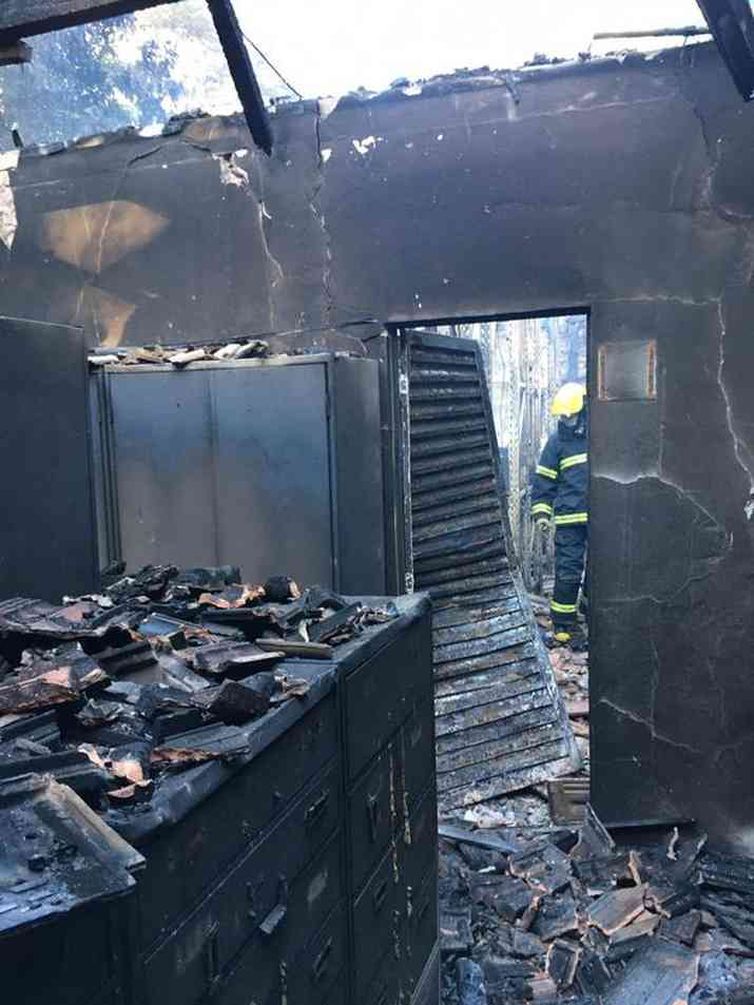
[{"x": 626, "y": 189}]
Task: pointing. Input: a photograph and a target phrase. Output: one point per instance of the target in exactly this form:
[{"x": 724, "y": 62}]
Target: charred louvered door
[{"x": 500, "y": 722}]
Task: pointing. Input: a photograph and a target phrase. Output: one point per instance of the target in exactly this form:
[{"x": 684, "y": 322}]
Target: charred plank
[
  {"x": 663, "y": 974},
  {"x": 486, "y": 696},
  {"x": 495, "y": 731}
]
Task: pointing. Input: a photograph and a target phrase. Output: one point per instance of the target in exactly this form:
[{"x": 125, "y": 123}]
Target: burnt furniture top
[{"x": 178, "y": 795}]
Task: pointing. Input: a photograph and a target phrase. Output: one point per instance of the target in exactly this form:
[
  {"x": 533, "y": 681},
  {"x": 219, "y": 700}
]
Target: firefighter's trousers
[{"x": 570, "y": 556}]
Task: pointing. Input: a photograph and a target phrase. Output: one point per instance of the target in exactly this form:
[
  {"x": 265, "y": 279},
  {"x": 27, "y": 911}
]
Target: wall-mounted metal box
[{"x": 274, "y": 465}]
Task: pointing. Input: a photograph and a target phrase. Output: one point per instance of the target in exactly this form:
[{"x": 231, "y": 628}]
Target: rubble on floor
[
  {"x": 571, "y": 673},
  {"x": 538, "y": 903},
  {"x": 110, "y": 694},
  {"x": 568, "y": 916}
]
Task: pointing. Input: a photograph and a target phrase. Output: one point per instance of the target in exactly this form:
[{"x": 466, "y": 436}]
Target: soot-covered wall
[{"x": 627, "y": 189}]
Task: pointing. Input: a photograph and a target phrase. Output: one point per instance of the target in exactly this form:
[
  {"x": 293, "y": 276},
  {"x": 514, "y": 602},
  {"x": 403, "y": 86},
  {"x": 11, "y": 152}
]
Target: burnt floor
[{"x": 538, "y": 910}]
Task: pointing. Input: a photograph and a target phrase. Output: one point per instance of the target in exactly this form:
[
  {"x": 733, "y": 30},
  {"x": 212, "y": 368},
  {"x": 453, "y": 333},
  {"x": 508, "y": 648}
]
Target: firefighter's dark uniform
[{"x": 559, "y": 492}]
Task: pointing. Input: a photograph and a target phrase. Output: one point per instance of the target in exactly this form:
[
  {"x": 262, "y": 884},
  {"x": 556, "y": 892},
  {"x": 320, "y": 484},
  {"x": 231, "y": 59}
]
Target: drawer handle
[
  {"x": 316, "y": 809},
  {"x": 379, "y": 896},
  {"x": 373, "y": 816},
  {"x": 212, "y": 955},
  {"x": 278, "y": 914},
  {"x": 321, "y": 964}
]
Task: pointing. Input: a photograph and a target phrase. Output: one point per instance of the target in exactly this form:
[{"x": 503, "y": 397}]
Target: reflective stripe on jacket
[{"x": 559, "y": 485}]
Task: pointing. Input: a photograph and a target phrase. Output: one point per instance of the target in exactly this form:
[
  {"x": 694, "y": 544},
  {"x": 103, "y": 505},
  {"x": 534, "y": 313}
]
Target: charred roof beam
[{"x": 732, "y": 25}]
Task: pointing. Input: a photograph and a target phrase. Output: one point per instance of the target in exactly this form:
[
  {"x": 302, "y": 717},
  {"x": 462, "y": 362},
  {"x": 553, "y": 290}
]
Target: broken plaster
[
  {"x": 8, "y": 215},
  {"x": 315, "y": 205},
  {"x": 740, "y": 447},
  {"x": 231, "y": 172},
  {"x": 714, "y": 150},
  {"x": 275, "y": 265},
  {"x": 326, "y": 106},
  {"x": 709, "y": 563},
  {"x": 364, "y": 145},
  {"x": 656, "y": 476}
]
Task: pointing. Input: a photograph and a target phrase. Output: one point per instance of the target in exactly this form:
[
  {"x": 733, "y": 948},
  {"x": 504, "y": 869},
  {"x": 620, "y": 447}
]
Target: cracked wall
[
  {"x": 628, "y": 189},
  {"x": 623, "y": 187},
  {"x": 201, "y": 238}
]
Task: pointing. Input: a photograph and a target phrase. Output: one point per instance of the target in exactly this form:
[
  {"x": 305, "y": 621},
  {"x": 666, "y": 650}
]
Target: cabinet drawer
[
  {"x": 380, "y": 693},
  {"x": 376, "y": 918},
  {"x": 256, "y": 975},
  {"x": 110, "y": 996},
  {"x": 183, "y": 863},
  {"x": 68, "y": 961},
  {"x": 418, "y": 847},
  {"x": 385, "y": 989},
  {"x": 428, "y": 989},
  {"x": 422, "y": 929},
  {"x": 339, "y": 990},
  {"x": 312, "y": 974},
  {"x": 372, "y": 816},
  {"x": 252, "y": 898},
  {"x": 418, "y": 753}
]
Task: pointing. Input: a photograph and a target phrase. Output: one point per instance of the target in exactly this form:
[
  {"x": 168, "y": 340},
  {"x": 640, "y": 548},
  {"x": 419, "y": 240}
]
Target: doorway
[
  {"x": 500, "y": 722},
  {"x": 526, "y": 359}
]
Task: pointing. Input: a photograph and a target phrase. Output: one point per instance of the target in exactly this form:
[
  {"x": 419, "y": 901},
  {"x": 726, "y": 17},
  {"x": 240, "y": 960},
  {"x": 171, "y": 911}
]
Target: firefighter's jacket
[{"x": 559, "y": 485}]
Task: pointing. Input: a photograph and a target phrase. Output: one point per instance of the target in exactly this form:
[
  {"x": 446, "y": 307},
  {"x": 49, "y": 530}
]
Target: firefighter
[{"x": 559, "y": 491}]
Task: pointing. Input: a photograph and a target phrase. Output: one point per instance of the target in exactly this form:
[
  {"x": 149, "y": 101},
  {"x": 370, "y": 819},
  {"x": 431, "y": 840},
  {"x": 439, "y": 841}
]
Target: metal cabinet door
[
  {"x": 272, "y": 470},
  {"x": 163, "y": 451}
]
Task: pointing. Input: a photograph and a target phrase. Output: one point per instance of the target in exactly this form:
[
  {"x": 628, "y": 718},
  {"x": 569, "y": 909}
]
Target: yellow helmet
[{"x": 569, "y": 400}]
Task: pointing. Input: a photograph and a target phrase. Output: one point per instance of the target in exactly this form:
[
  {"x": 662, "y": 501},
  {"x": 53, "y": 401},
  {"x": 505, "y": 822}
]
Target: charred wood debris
[
  {"x": 109, "y": 692},
  {"x": 540, "y": 904},
  {"x": 571, "y": 916},
  {"x": 105, "y": 697},
  {"x": 180, "y": 356}
]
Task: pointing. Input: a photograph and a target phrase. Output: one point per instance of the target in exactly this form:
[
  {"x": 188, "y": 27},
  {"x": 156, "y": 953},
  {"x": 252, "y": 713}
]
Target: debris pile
[
  {"x": 567, "y": 916},
  {"x": 180, "y": 356},
  {"x": 572, "y": 676},
  {"x": 162, "y": 671}
]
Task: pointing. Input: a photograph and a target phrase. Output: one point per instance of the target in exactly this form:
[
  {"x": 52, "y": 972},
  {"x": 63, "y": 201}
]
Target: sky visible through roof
[
  {"x": 334, "y": 46},
  {"x": 141, "y": 69}
]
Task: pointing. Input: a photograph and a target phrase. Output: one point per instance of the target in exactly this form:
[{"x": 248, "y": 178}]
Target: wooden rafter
[{"x": 237, "y": 56}]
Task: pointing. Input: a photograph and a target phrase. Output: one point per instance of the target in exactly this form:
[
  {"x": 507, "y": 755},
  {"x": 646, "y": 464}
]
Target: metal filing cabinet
[
  {"x": 307, "y": 875},
  {"x": 391, "y": 820},
  {"x": 273, "y": 465},
  {"x": 81, "y": 959}
]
